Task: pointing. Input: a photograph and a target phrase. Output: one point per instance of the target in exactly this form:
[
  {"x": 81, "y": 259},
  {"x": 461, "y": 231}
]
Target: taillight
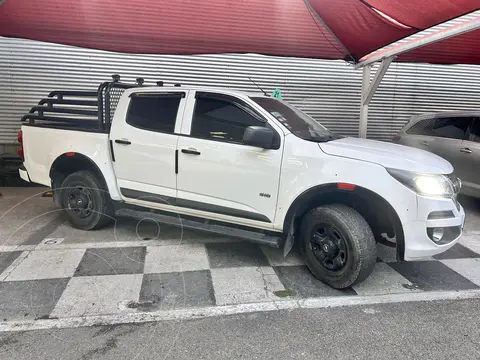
[
  {"x": 396, "y": 138},
  {"x": 20, "y": 140}
]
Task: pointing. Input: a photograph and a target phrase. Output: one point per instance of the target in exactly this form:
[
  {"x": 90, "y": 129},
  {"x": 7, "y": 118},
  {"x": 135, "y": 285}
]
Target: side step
[{"x": 203, "y": 225}]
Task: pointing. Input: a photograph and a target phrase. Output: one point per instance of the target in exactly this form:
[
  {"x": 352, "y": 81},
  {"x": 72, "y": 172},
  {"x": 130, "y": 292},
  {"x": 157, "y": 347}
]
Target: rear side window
[
  {"x": 452, "y": 127},
  {"x": 157, "y": 112},
  {"x": 423, "y": 127}
]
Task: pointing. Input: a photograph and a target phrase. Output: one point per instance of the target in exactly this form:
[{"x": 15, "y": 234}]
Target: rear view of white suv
[{"x": 455, "y": 136}]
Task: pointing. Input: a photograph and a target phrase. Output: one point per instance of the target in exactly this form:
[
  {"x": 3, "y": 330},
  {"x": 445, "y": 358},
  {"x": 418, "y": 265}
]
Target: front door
[
  {"x": 219, "y": 175},
  {"x": 144, "y": 146},
  {"x": 469, "y": 161},
  {"x": 449, "y": 134}
]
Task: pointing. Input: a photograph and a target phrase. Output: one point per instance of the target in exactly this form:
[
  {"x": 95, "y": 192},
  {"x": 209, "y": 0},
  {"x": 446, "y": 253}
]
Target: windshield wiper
[{"x": 326, "y": 137}]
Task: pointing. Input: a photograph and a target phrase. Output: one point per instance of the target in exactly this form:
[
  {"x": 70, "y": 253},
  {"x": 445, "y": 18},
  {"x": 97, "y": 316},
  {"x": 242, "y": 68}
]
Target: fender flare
[
  {"x": 62, "y": 163},
  {"x": 325, "y": 193}
]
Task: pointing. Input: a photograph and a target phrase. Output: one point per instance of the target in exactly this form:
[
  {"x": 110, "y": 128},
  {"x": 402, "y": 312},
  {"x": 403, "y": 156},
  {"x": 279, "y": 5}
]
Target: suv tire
[
  {"x": 86, "y": 201},
  {"x": 337, "y": 245}
]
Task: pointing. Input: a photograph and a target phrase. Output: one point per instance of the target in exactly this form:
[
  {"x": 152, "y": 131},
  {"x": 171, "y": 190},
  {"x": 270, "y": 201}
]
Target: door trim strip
[{"x": 190, "y": 204}]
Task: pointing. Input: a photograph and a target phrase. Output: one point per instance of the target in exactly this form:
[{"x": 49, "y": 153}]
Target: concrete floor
[{"x": 425, "y": 330}]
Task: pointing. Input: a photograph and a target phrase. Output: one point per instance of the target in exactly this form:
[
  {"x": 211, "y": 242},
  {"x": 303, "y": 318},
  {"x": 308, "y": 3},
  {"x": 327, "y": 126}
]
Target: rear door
[
  {"x": 144, "y": 145},
  {"x": 419, "y": 135},
  {"x": 449, "y": 134}
]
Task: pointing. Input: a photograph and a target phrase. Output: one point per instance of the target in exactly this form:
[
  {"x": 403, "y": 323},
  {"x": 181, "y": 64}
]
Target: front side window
[
  {"x": 452, "y": 127},
  {"x": 299, "y": 123},
  {"x": 156, "y": 112},
  {"x": 222, "y": 119},
  {"x": 475, "y": 131}
]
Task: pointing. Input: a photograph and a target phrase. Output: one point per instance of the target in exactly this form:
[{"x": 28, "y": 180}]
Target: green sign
[{"x": 277, "y": 94}]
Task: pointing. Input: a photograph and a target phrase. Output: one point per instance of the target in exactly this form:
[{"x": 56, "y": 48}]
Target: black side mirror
[{"x": 258, "y": 136}]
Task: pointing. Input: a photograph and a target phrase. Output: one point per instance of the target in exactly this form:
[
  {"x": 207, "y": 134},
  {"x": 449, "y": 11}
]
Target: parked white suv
[{"x": 243, "y": 164}]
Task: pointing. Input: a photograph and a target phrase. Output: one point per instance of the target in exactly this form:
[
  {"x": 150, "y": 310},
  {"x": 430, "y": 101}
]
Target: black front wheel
[
  {"x": 86, "y": 201},
  {"x": 338, "y": 245}
]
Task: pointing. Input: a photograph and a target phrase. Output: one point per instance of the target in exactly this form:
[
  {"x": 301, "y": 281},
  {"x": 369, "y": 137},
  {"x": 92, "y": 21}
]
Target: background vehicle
[
  {"x": 455, "y": 136},
  {"x": 239, "y": 164}
]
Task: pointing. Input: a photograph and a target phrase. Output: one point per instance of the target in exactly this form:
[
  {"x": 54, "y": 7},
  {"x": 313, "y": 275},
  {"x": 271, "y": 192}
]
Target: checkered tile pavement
[{"x": 51, "y": 281}]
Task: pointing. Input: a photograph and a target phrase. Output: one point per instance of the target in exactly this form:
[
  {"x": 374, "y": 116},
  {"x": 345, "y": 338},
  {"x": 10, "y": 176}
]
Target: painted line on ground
[
  {"x": 112, "y": 244},
  {"x": 11, "y": 248},
  {"x": 214, "y": 311},
  {"x": 6, "y": 273}
]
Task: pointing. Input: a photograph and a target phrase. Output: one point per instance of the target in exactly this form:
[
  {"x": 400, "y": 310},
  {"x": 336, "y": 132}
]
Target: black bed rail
[
  {"x": 43, "y": 109},
  {"x": 61, "y": 93},
  {"x": 99, "y": 106},
  {"x": 58, "y": 119},
  {"x": 51, "y": 102}
]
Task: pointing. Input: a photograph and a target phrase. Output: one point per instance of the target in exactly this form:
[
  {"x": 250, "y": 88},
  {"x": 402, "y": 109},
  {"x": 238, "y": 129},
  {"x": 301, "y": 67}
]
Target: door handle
[
  {"x": 424, "y": 143},
  {"x": 123, "y": 142},
  {"x": 465, "y": 150},
  {"x": 191, "y": 151}
]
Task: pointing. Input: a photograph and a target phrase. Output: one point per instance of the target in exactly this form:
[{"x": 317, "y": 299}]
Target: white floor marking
[
  {"x": 471, "y": 241},
  {"x": 197, "y": 313},
  {"x": 176, "y": 258},
  {"x": 13, "y": 265},
  {"x": 47, "y": 264},
  {"x": 245, "y": 284},
  {"x": 383, "y": 280},
  {"x": 89, "y": 295},
  {"x": 10, "y": 248},
  {"x": 468, "y": 268}
]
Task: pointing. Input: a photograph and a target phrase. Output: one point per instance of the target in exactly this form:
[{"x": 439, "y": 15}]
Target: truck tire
[
  {"x": 338, "y": 245},
  {"x": 86, "y": 202}
]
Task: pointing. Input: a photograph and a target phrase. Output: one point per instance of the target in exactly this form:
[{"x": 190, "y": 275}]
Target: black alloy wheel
[{"x": 329, "y": 247}]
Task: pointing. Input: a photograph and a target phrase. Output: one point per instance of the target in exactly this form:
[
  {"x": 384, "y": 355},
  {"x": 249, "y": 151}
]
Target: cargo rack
[{"x": 91, "y": 110}]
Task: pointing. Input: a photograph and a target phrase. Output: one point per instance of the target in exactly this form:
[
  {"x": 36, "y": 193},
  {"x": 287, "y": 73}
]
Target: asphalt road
[{"x": 434, "y": 330}]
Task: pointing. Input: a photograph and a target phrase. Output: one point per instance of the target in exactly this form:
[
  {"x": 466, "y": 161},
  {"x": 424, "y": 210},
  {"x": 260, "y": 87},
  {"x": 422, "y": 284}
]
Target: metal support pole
[
  {"x": 431, "y": 37},
  {"x": 368, "y": 90},
  {"x": 362, "y": 128}
]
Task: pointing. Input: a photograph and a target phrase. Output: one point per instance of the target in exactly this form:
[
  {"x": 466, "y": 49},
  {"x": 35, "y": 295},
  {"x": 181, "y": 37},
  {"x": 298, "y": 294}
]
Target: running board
[{"x": 203, "y": 225}]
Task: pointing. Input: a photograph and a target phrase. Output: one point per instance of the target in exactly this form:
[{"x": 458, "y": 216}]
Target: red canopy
[
  {"x": 462, "y": 49},
  {"x": 328, "y": 29}
]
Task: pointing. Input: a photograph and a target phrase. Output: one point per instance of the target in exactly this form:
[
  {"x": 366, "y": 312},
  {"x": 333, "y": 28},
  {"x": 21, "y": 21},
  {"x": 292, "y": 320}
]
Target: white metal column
[
  {"x": 368, "y": 90},
  {"x": 362, "y": 127}
]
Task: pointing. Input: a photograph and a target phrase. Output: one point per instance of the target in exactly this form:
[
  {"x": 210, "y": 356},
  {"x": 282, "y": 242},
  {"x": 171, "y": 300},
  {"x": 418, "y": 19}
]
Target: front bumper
[{"x": 433, "y": 213}]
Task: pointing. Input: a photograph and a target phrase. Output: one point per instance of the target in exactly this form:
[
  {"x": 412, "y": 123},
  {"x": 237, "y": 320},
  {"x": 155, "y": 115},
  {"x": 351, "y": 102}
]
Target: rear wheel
[
  {"x": 338, "y": 245},
  {"x": 86, "y": 201}
]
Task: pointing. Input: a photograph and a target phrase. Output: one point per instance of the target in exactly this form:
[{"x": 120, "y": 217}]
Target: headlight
[{"x": 424, "y": 184}]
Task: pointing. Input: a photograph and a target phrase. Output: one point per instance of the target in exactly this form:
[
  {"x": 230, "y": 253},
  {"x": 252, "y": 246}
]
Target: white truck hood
[{"x": 388, "y": 155}]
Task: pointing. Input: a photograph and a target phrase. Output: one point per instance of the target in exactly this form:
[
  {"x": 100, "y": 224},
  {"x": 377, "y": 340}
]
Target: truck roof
[{"x": 220, "y": 90}]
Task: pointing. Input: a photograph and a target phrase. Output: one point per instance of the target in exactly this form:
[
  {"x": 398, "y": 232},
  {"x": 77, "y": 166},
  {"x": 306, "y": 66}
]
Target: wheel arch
[
  {"x": 69, "y": 163},
  {"x": 372, "y": 206}
]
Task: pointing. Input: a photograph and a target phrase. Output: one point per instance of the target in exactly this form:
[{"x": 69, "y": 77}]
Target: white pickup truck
[{"x": 242, "y": 164}]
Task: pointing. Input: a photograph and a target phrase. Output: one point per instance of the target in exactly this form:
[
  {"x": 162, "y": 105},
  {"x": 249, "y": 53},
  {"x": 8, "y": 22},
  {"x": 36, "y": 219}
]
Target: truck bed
[{"x": 79, "y": 110}]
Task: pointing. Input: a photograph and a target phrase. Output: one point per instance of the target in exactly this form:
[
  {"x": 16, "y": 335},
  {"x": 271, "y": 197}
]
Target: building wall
[{"x": 329, "y": 91}]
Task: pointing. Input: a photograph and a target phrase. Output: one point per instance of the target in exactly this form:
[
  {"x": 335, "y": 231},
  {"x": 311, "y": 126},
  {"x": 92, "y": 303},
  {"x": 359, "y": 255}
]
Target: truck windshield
[{"x": 299, "y": 123}]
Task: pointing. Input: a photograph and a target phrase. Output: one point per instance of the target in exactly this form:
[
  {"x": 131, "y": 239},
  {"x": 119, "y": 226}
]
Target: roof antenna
[{"x": 259, "y": 87}]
